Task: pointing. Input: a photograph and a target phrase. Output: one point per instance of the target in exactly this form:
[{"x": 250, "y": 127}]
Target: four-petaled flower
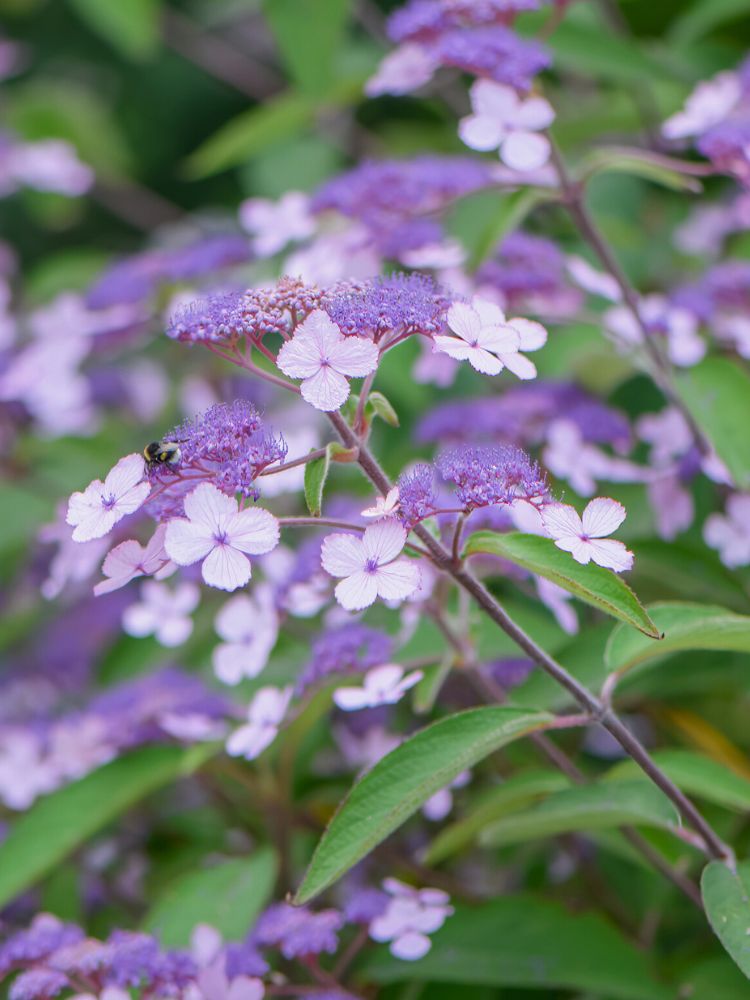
[
  {"x": 410, "y": 916},
  {"x": 97, "y": 510},
  {"x": 369, "y": 565},
  {"x": 219, "y": 534},
  {"x": 322, "y": 357},
  {"x": 129, "y": 559},
  {"x": 249, "y": 627},
  {"x": 163, "y": 612},
  {"x": 276, "y": 223},
  {"x": 585, "y": 538},
  {"x": 729, "y": 533},
  {"x": 504, "y": 121},
  {"x": 488, "y": 341},
  {"x": 264, "y": 716},
  {"x": 384, "y": 506},
  {"x": 384, "y": 685}
]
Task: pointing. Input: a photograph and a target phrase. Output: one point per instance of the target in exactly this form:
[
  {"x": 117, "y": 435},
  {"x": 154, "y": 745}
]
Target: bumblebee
[{"x": 162, "y": 453}]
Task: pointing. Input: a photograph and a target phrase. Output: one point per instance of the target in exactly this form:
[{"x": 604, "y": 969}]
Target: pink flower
[
  {"x": 163, "y": 612},
  {"x": 568, "y": 456},
  {"x": 276, "y": 223},
  {"x": 322, "y": 356},
  {"x": 710, "y": 103},
  {"x": 729, "y": 533},
  {"x": 384, "y": 506},
  {"x": 488, "y": 341},
  {"x": 219, "y": 534},
  {"x": 685, "y": 347},
  {"x": 586, "y": 538},
  {"x": 591, "y": 280},
  {"x": 410, "y": 916},
  {"x": 97, "y": 510},
  {"x": 369, "y": 565},
  {"x": 503, "y": 120},
  {"x": 403, "y": 70},
  {"x": 249, "y": 627},
  {"x": 129, "y": 559},
  {"x": 384, "y": 685},
  {"x": 264, "y": 716}
]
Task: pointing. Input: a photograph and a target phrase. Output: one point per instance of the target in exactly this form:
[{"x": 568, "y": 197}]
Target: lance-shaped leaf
[
  {"x": 593, "y": 584},
  {"x": 316, "y": 474},
  {"x": 588, "y": 807},
  {"x": 697, "y": 775},
  {"x": 403, "y": 780},
  {"x": 685, "y": 626},
  {"x": 59, "y": 823},
  {"x": 726, "y": 897}
]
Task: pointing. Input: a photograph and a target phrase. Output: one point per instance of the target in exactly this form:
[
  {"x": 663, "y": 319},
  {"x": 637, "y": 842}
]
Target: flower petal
[
  {"x": 561, "y": 520},
  {"x": 357, "y": 591},
  {"x": 532, "y": 335},
  {"x": 602, "y": 516},
  {"x": 208, "y": 506},
  {"x": 327, "y": 390},
  {"x": 611, "y": 554},
  {"x": 398, "y": 579},
  {"x": 496, "y": 100},
  {"x": 354, "y": 356},
  {"x": 187, "y": 542},
  {"x": 253, "y": 530},
  {"x": 384, "y": 541},
  {"x": 520, "y": 366},
  {"x": 299, "y": 357},
  {"x": 481, "y": 132},
  {"x": 524, "y": 151},
  {"x": 534, "y": 114},
  {"x": 128, "y": 472},
  {"x": 351, "y": 699},
  {"x": 464, "y": 321},
  {"x": 226, "y": 568},
  {"x": 342, "y": 554},
  {"x": 499, "y": 339},
  {"x": 453, "y": 347},
  {"x": 489, "y": 313},
  {"x": 410, "y": 946}
]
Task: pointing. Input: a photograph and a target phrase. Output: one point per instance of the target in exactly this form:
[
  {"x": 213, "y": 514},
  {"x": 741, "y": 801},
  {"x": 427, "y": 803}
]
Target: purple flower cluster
[
  {"x": 495, "y": 52},
  {"x": 137, "y": 278},
  {"x": 524, "y": 265},
  {"x": 227, "y": 445},
  {"x": 493, "y": 474},
  {"x": 349, "y": 649},
  {"x": 388, "y": 195},
  {"x": 521, "y": 416},
  {"x": 416, "y": 495},
  {"x": 297, "y": 932},
  {"x": 229, "y": 316},
  {"x": 398, "y": 303},
  {"x": 420, "y": 20}
]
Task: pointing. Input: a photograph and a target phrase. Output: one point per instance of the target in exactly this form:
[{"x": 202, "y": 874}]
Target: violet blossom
[
  {"x": 163, "y": 612},
  {"x": 384, "y": 685},
  {"x": 585, "y": 538},
  {"x": 97, "y": 510},
  {"x": 371, "y": 566},
  {"x": 264, "y": 716}
]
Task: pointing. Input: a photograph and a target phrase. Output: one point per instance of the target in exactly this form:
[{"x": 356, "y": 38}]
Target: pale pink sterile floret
[
  {"x": 163, "y": 612},
  {"x": 324, "y": 358},
  {"x": 593, "y": 281},
  {"x": 729, "y": 533},
  {"x": 276, "y": 223},
  {"x": 220, "y": 536},
  {"x": 130, "y": 559},
  {"x": 383, "y": 685},
  {"x": 410, "y": 916},
  {"x": 403, "y": 70},
  {"x": 585, "y": 538},
  {"x": 489, "y": 341},
  {"x": 371, "y": 566},
  {"x": 383, "y": 506},
  {"x": 511, "y": 124},
  {"x": 264, "y": 716},
  {"x": 710, "y": 103},
  {"x": 97, "y": 510},
  {"x": 249, "y": 627}
]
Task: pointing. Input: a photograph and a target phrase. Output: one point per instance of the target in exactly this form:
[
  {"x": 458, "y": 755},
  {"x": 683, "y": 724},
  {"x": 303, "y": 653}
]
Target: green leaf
[
  {"x": 518, "y": 791},
  {"x": 702, "y": 16},
  {"x": 684, "y": 626},
  {"x": 717, "y": 394},
  {"x": 581, "y": 49},
  {"x": 726, "y": 897},
  {"x": 669, "y": 172},
  {"x": 586, "y": 807},
  {"x": 403, "y": 780},
  {"x": 697, "y": 775},
  {"x": 690, "y": 571},
  {"x": 61, "y": 822},
  {"x": 480, "y": 220},
  {"x": 264, "y": 126},
  {"x": 593, "y": 584},
  {"x": 383, "y": 408},
  {"x": 712, "y": 978},
  {"x": 527, "y": 942},
  {"x": 316, "y": 473},
  {"x": 228, "y": 896},
  {"x": 130, "y": 26},
  {"x": 309, "y": 34}
]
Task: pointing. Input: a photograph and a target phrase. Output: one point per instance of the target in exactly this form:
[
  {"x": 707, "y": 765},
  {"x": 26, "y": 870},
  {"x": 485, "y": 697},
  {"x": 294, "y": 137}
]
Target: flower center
[
  {"x": 371, "y": 566},
  {"x": 220, "y": 537},
  {"x": 109, "y": 502}
]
